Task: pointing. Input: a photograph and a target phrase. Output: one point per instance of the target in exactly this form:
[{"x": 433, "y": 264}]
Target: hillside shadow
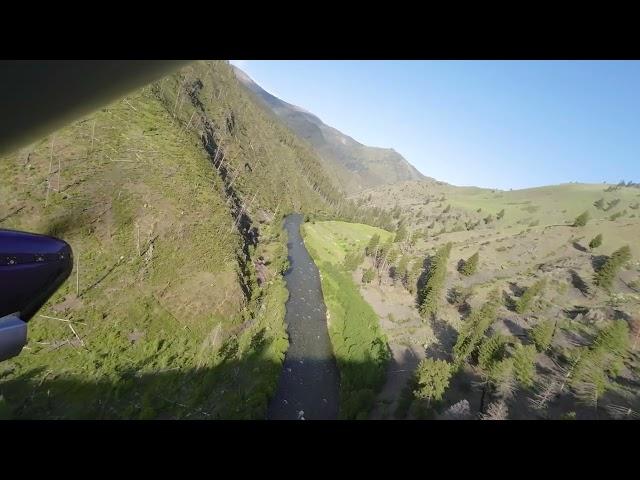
[
  {"x": 446, "y": 336},
  {"x": 516, "y": 330},
  {"x": 575, "y": 311},
  {"x": 239, "y": 387},
  {"x": 509, "y": 301},
  {"x": 463, "y": 386},
  {"x": 459, "y": 302},
  {"x": 61, "y": 225},
  {"x": 515, "y": 289},
  {"x": 579, "y": 283},
  {"x": 422, "y": 280}
]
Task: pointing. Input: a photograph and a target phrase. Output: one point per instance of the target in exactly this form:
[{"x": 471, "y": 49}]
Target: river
[{"x": 308, "y": 384}]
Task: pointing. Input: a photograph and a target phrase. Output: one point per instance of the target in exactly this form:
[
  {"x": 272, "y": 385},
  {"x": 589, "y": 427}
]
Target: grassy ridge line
[{"x": 359, "y": 345}]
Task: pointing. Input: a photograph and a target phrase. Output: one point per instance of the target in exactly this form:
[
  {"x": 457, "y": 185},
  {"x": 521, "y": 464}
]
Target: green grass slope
[{"x": 171, "y": 200}]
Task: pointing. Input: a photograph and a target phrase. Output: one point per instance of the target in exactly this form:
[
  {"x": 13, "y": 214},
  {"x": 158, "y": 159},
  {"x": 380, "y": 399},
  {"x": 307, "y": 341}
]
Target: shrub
[
  {"x": 368, "y": 275},
  {"x": 596, "y": 241},
  {"x": 581, "y": 220}
]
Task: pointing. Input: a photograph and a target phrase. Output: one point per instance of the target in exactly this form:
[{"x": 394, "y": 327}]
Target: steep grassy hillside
[
  {"x": 172, "y": 200},
  {"x": 356, "y": 166}
]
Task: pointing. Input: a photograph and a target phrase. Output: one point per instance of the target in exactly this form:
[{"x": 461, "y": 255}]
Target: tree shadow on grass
[
  {"x": 517, "y": 331},
  {"x": 422, "y": 280},
  {"x": 578, "y": 247},
  {"x": 446, "y": 336},
  {"x": 597, "y": 261},
  {"x": 509, "y": 301}
]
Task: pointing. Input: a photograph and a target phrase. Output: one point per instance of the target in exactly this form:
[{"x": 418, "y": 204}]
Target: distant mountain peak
[{"x": 358, "y": 166}]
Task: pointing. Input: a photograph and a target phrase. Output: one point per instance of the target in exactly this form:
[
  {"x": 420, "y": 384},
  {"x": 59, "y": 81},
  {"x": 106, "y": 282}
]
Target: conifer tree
[
  {"x": 605, "y": 275},
  {"x": 401, "y": 233},
  {"x": 581, "y": 220},
  {"x": 542, "y": 334},
  {"x": 432, "y": 291},
  {"x": 473, "y": 330},
  {"x": 432, "y": 379},
  {"x": 470, "y": 266},
  {"x": 372, "y": 246},
  {"x": 524, "y": 364}
]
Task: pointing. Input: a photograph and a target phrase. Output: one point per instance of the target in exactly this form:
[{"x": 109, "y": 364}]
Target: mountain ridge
[{"x": 358, "y": 166}]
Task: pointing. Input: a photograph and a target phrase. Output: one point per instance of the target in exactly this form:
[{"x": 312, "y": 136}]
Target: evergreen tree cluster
[{"x": 472, "y": 332}]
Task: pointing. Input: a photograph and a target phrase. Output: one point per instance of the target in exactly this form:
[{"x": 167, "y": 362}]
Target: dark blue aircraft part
[{"x": 32, "y": 268}]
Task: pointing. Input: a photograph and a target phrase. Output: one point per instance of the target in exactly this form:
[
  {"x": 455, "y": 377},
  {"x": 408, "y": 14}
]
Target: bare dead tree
[
  {"x": 458, "y": 411},
  {"x": 496, "y": 411},
  {"x": 138, "y": 238},
  {"x": 621, "y": 412},
  {"x": 59, "y": 170},
  {"x": 93, "y": 132},
  {"x": 186, "y": 128},
  {"x": 78, "y": 275},
  {"x": 547, "y": 391},
  {"x": 53, "y": 140}
]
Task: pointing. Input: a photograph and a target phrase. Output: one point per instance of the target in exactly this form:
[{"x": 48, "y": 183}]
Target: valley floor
[{"x": 511, "y": 260}]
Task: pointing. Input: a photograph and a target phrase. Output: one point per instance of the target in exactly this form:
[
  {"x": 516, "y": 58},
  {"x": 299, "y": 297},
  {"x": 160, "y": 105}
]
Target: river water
[{"x": 308, "y": 383}]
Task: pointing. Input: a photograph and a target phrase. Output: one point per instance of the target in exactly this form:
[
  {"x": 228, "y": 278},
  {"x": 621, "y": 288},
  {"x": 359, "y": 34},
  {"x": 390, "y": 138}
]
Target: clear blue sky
[{"x": 500, "y": 124}]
